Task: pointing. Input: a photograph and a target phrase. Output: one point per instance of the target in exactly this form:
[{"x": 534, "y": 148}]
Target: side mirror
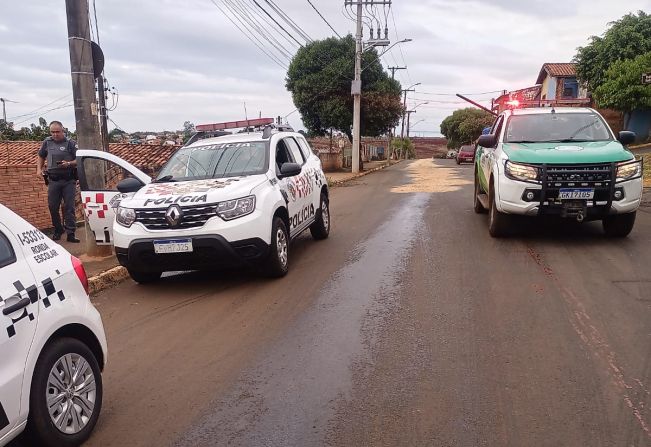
[
  {"x": 130, "y": 184},
  {"x": 626, "y": 137},
  {"x": 290, "y": 170},
  {"x": 487, "y": 140}
]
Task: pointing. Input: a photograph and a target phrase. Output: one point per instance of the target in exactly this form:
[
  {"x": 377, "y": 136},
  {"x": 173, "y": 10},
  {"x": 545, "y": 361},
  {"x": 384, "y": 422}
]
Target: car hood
[
  {"x": 195, "y": 192},
  {"x": 590, "y": 152}
]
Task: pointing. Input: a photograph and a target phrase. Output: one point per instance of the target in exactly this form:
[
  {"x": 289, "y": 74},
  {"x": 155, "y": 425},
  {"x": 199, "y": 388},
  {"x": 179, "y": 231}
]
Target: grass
[{"x": 647, "y": 170}]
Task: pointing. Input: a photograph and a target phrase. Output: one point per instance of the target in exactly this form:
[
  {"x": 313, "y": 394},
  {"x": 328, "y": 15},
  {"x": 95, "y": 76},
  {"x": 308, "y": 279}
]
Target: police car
[
  {"x": 562, "y": 161},
  {"x": 229, "y": 200},
  {"x": 52, "y": 342}
]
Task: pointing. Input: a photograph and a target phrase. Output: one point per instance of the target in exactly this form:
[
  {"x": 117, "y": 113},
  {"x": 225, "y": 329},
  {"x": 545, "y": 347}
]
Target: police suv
[
  {"x": 52, "y": 342},
  {"x": 557, "y": 161},
  {"x": 229, "y": 200}
]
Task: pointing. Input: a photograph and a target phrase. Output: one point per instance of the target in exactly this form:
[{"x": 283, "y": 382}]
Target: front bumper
[
  {"x": 209, "y": 252},
  {"x": 512, "y": 200}
]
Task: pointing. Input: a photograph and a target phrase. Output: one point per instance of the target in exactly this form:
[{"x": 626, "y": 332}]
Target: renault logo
[{"x": 173, "y": 215}]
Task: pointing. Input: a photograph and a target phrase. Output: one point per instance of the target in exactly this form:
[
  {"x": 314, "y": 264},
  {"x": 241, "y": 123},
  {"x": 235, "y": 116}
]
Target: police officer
[{"x": 60, "y": 154}]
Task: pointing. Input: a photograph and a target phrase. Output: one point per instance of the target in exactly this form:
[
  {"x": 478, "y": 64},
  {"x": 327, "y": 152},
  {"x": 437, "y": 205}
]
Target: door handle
[
  {"x": 91, "y": 205},
  {"x": 14, "y": 307}
]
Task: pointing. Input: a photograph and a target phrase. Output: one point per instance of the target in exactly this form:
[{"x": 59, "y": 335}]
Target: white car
[
  {"x": 237, "y": 199},
  {"x": 52, "y": 342}
]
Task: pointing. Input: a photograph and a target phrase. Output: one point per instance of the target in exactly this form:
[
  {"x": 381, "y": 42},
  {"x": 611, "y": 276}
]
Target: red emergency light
[
  {"x": 514, "y": 103},
  {"x": 234, "y": 124}
]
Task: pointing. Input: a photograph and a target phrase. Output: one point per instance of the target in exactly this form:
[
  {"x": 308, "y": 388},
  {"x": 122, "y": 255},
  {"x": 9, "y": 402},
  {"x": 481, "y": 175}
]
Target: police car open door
[{"x": 99, "y": 174}]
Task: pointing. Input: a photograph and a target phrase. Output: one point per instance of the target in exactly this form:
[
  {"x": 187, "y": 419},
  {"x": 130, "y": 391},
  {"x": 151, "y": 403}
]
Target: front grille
[
  {"x": 193, "y": 217},
  {"x": 564, "y": 176}
]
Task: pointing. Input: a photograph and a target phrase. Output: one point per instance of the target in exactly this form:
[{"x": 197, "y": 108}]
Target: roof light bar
[{"x": 234, "y": 124}]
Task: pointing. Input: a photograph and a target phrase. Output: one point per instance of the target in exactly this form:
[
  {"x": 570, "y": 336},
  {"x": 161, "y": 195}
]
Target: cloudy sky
[{"x": 173, "y": 61}]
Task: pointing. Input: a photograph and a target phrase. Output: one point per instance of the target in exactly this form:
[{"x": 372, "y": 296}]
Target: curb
[
  {"x": 361, "y": 174},
  {"x": 106, "y": 279}
]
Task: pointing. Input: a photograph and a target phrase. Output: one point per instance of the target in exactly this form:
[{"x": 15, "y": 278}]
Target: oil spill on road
[{"x": 290, "y": 396}]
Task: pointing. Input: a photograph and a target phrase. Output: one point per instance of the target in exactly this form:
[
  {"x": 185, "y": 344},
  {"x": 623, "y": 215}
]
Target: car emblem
[{"x": 173, "y": 215}]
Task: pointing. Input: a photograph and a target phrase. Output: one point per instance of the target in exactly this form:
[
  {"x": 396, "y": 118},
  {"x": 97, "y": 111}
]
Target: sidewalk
[{"x": 103, "y": 272}]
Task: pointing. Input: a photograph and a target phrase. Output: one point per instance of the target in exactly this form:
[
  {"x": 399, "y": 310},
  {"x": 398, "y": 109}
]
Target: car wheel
[
  {"x": 66, "y": 395},
  {"x": 144, "y": 277},
  {"x": 478, "y": 207},
  {"x": 619, "y": 225},
  {"x": 278, "y": 259},
  {"x": 498, "y": 223},
  {"x": 320, "y": 229}
]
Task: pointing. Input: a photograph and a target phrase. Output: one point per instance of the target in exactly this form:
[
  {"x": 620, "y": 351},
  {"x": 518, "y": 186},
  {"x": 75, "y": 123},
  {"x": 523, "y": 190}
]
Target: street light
[{"x": 404, "y": 104}]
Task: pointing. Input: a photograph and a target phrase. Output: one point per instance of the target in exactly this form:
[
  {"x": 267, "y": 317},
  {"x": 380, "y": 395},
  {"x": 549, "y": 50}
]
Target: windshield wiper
[
  {"x": 167, "y": 178},
  {"x": 567, "y": 140},
  {"x": 523, "y": 141}
]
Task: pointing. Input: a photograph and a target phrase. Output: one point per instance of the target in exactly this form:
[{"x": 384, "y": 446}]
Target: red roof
[
  {"x": 560, "y": 70},
  {"x": 147, "y": 157}
]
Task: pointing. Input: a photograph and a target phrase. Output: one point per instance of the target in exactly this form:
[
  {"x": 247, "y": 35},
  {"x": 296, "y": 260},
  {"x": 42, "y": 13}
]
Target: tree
[
  {"x": 188, "y": 131},
  {"x": 115, "y": 135},
  {"x": 402, "y": 148},
  {"x": 626, "y": 38},
  {"x": 464, "y": 126},
  {"x": 622, "y": 87},
  {"x": 319, "y": 78}
]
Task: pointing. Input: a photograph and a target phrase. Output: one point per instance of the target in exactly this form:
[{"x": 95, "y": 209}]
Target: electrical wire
[
  {"x": 276, "y": 22},
  {"x": 40, "y": 114},
  {"x": 66, "y": 96},
  {"x": 270, "y": 24},
  {"x": 289, "y": 20},
  {"x": 324, "y": 19},
  {"x": 260, "y": 47},
  {"x": 96, "y": 26}
]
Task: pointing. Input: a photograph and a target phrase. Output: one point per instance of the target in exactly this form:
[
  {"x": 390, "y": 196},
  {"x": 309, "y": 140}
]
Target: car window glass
[
  {"x": 292, "y": 145},
  {"x": 7, "y": 255},
  {"x": 282, "y": 155},
  {"x": 498, "y": 126},
  {"x": 102, "y": 175},
  {"x": 305, "y": 148}
]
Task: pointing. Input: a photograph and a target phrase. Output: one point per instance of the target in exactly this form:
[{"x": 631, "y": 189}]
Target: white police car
[
  {"x": 235, "y": 199},
  {"x": 52, "y": 342}
]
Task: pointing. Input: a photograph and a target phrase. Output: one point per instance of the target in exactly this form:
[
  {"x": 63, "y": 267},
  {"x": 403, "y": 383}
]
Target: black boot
[{"x": 72, "y": 238}]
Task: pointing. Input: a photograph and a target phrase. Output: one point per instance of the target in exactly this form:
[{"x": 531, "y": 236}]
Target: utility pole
[
  {"x": 404, "y": 105},
  {"x": 103, "y": 117},
  {"x": 393, "y": 71},
  {"x": 4, "y": 110},
  {"x": 83, "y": 92},
  {"x": 409, "y": 112}
]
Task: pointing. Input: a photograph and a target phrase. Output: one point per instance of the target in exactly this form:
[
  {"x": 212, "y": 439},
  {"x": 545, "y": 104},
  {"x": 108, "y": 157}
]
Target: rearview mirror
[
  {"x": 290, "y": 170},
  {"x": 489, "y": 140},
  {"x": 130, "y": 184},
  {"x": 626, "y": 137}
]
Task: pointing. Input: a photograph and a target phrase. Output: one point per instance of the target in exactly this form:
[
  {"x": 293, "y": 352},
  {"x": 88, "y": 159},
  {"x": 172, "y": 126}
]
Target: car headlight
[
  {"x": 125, "y": 216},
  {"x": 232, "y": 209},
  {"x": 525, "y": 173},
  {"x": 628, "y": 170}
]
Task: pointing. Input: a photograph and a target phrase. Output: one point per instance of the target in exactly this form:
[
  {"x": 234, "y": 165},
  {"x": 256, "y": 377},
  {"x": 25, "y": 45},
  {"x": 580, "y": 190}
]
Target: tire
[
  {"x": 320, "y": 229},
  {"x": 478, "y": 207},
  {"x": 619, "y": 225},
  {"x": 86, "y": 391},
  {"x": 144, "y": 277},
  {"x": 458, "y": 162},
  {"x": 498, "y": 223},
  {"x": 277, "y": 263}
]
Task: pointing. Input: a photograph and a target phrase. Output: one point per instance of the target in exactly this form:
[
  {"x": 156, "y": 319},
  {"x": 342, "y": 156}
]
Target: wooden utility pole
[{"x": 85, "y": 100}]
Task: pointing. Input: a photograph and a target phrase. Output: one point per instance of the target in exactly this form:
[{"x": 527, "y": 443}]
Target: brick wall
[{"x": 25, "y": 193}]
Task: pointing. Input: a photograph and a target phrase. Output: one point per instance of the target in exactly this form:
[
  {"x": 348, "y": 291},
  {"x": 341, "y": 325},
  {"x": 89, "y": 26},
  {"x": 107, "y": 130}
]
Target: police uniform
[{"x": 62, "y": 183}]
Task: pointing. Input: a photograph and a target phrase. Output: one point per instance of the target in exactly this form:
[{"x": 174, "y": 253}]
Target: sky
[{"x": 176, "y": 61}]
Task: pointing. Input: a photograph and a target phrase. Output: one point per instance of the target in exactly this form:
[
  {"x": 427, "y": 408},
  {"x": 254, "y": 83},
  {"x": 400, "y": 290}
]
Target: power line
[
  {"x": 40, "y": 108},
  {"x": 276, "y": 22},
  {"x": 260, "y": 47},
  {"x": 70, "y": 104},
  {"x": 324, "y": 19},
  {"x": 96, "y": 26},
  {"x": 283, "y": 15},
  {"x": 465, "y": 94},
  {"x": 266, "y": 19}
]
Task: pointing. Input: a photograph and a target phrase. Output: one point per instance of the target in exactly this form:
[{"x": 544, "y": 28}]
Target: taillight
[{"x": 81, "y": 272}]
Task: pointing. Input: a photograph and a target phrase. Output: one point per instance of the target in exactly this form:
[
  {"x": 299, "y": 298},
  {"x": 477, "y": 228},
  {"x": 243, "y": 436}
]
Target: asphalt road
[{"x": 409, "y": 326}]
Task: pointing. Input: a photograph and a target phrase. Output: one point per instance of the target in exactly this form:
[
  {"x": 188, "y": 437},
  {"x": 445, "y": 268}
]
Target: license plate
[
  {"x": 574, "y": 194},
  {"x": 173, "y": 246}
]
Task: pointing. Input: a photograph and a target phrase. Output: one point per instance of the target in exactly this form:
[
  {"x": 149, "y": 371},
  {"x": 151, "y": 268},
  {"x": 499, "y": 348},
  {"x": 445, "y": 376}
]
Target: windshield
[
  {"x": 556, "y": 127},
  {"x": 216, "y": 161}
]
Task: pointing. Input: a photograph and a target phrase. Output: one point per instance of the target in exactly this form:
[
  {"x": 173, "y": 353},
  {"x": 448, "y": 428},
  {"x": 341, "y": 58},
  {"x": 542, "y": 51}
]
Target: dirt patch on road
[{"x": 429, "y": 175}]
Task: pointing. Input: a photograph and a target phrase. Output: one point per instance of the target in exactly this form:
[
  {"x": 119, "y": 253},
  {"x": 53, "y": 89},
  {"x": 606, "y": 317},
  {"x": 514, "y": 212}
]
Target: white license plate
[
  {"x": 173, "y": 246},
  {"x": 574, "y": 194}
]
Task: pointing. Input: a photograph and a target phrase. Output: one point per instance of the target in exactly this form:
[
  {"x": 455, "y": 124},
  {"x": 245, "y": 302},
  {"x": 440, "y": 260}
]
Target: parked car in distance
[
  {"x": 52, "y": 341},
  {"x": 466, "y": 154}
]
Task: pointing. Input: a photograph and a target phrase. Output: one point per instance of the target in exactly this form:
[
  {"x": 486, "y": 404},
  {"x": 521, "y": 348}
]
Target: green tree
[
  {"x": 626, "y": 38},
  {"x": 115, "y": 135},
  {"x": 402, "y": 148},
  {"x": 188, "y": 131},
  {"x": 319, "y": 78},
  {"x": 465, "y": 125},
  {"x": 622, "y": 87}
]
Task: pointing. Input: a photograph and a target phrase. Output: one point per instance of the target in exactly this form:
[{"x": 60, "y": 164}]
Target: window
[
  {"x": 570, "y": 88},
  {"x": 102, "y": 175},
  {"x": 305, "y": 148},
  {"x": 556, "y": 127},
  {"x": 7, "y": 255},
  {"x": 292, "y": 145}
]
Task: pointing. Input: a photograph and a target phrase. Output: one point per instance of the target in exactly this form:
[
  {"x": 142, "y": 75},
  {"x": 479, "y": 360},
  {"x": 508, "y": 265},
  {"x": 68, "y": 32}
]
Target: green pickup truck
[{"x": 557, "y": 161}]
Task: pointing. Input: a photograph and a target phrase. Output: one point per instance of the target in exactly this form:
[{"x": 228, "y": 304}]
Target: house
[{"x": 558, "y": 81}]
